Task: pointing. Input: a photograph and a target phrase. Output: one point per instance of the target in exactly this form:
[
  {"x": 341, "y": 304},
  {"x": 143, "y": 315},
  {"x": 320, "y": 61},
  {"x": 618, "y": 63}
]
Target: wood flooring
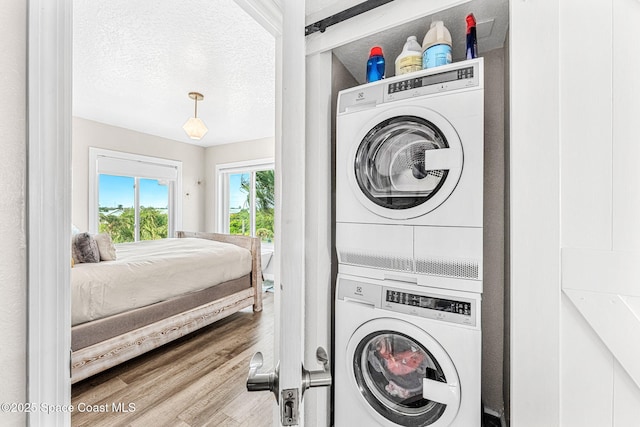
[{"x": 197, "y": 380}]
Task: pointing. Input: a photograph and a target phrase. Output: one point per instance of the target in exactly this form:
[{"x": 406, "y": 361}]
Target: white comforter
[{"x": 151, "y": 271}]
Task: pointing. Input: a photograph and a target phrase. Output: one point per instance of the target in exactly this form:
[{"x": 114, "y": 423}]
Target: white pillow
[{"x": 105, "y": 247}]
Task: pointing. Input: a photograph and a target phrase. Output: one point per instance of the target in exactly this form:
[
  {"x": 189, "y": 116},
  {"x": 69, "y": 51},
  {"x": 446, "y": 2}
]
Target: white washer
[
  {"x": 409, "y": 176},
  {"x": 406, "y": 355}
]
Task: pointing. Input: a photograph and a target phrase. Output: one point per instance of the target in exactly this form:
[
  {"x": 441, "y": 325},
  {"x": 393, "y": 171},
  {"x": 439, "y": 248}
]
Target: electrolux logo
[{"x": 360, "y": 96}]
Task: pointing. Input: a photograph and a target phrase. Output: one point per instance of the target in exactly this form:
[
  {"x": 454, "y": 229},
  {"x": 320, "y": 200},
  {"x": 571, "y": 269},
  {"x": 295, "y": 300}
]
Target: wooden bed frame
[{"x": 96, "y": 358}]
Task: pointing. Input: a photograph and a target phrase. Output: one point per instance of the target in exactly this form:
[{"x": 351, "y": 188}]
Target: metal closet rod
[{"x": 343, "y": 16}]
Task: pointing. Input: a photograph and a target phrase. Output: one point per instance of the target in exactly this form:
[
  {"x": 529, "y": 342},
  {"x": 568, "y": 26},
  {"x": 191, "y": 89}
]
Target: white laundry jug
[
  {"x": 436, "y": 46},
  {"x": 410, "y": 59}
]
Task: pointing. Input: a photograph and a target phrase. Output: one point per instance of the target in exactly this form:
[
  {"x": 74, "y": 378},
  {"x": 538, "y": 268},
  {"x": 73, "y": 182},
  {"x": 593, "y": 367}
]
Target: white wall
[
  {"x": 13, "y": 312},
  {"x": 229, "y": 153},
  {"x": 87, "y": 133}
]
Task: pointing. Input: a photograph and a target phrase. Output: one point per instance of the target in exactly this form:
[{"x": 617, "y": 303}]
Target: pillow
[
  {"x": 85, "y": 248},
  {"x": 105, "y": 247}
]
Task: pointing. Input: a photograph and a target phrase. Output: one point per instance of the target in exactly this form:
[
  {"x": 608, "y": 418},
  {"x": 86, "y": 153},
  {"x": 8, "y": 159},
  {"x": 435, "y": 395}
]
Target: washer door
[
  {"x": 406, "y": 165},
  {"x": 403, "y": 374}
]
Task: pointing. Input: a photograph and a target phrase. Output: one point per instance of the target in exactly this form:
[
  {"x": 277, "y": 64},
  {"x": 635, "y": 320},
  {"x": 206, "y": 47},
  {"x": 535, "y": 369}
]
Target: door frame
[
  {"x": 49, "y": 112},
  {"x": 49, "y": 209}
]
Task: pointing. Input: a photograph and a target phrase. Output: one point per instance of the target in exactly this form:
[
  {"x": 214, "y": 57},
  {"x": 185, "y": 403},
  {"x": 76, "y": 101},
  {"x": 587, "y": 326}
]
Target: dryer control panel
[{"x": 445, "y": 78}]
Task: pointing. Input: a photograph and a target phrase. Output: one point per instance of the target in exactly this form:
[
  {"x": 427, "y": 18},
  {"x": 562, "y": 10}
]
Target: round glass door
[
  {"x": 402, "y": 374},
  {"x": 407, "y": 165}
]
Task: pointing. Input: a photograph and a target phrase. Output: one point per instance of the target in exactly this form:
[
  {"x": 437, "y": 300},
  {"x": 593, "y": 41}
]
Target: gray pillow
[{"x": 85, "y": 248}]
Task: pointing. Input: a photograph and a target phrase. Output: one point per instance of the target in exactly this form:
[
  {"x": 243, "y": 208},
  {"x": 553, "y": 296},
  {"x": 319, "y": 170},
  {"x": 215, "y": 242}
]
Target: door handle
[
  {"x": 320, "y": 378},
  {"x": 262, "y": 381},
  {"x": 290, "y": 402}
]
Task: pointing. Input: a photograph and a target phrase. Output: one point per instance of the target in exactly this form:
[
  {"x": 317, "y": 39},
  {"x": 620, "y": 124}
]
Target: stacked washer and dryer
[{"x": 409, "y": 200}]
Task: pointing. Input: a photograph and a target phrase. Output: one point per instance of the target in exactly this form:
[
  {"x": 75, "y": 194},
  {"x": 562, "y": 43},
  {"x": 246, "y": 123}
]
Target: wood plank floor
[{"x": 197, "y": 380}]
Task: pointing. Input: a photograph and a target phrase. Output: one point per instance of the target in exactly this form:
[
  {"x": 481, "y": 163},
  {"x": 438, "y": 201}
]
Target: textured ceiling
[
  {"x": 492, "y": 17},
  {"x": 135, "y": 61}
]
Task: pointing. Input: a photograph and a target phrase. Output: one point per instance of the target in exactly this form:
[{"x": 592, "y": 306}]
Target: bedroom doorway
[{"x": 50, "y": 152}]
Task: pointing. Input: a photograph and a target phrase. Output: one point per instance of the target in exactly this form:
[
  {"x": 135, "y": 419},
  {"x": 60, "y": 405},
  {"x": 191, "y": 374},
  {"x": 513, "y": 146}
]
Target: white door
[
  {"x": 289, "y": 379},
  {"x": 600, "y": 308},
  {"x": 575, "y": 234}
]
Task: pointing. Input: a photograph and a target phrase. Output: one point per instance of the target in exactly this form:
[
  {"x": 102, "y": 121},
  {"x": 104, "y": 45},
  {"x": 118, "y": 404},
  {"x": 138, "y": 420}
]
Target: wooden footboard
[
  {"x": 250, "y": 243},
  {"x": 96, "y": 358}
]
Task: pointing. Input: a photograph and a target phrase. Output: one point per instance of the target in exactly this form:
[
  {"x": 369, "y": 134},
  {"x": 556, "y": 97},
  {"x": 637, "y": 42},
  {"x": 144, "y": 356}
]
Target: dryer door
[
  {"x": 408, "y": 162},
  {"x": 402, "y": 373}
]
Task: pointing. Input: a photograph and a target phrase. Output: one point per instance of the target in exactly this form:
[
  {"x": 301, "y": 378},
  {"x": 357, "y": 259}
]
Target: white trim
[
  {"x": 290, "y": 156},
  {"x": 252, "y": 204},
  {"x": 535, "y": 213},
  {"x": 49, "y": 209},
  {"x": 267, "y": 13},
  {"x": 279, "y": 307},
  {"x": 246, "y": 165},
  {"x": 175, "y": 214},
  {"x": 222, "y": 172},
  {"x": 318, "y": 226}
]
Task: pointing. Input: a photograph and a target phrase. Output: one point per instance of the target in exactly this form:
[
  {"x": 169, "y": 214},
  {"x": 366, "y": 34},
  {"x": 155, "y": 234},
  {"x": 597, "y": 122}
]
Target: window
[
  {"x": 247, "y": 199},
  {"x": 133, "y": 197}
]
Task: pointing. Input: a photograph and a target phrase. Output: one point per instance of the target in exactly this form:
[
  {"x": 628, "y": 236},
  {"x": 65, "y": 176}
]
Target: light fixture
[{"x": 194, "y": 127}]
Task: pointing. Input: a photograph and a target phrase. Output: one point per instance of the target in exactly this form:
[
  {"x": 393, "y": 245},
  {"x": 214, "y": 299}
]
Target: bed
[{"x": 156, "y": 292}]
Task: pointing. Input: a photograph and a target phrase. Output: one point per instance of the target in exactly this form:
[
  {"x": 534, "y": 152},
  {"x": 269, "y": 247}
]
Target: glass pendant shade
[{"x": 195, "y": 128}]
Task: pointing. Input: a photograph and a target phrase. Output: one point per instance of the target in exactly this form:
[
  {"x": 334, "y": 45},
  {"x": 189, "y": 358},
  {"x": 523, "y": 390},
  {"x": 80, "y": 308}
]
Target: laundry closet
[
  {"x": 472, "y": 237},
  {"x": 556, "y": 347}
]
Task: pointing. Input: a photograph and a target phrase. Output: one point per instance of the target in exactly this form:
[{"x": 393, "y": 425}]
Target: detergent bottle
[
  {"x": 375, "y": 65},
  {"x": 410, "y": 59},
  {"x": 472, "y": 38},
  {"x": 436, "y": 46}
]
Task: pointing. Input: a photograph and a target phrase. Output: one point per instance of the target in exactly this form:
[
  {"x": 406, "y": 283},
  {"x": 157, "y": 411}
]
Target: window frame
[
  {"x": 133, "y": 161},
  {"x": 223, "y": 170}
]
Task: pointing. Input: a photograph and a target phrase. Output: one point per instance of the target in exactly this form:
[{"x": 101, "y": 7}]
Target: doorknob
[
  {"x": 262, "y": 381},
  {"x": 321, "y": 378}
]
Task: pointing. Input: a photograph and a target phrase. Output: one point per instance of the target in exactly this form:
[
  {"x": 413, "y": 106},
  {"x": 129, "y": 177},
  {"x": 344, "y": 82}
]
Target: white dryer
[
  {"x": 409, "y": 177},
  {"x": 406, "y": 355}
]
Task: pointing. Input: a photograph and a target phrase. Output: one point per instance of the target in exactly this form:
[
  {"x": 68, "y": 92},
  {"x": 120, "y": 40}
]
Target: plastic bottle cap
[
  {"x": 437, "y": 34},
  {"x": 375, "y": 51},
  {"x": 471, "y": 21}
]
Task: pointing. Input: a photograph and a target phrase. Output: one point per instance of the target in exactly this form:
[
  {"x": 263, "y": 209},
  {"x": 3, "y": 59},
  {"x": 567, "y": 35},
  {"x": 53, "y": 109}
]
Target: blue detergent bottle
[{"x": 375, "y": 65}]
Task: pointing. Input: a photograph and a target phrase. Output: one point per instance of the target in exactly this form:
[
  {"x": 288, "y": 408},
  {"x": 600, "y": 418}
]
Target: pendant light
[{"x": 194, "y": 127}]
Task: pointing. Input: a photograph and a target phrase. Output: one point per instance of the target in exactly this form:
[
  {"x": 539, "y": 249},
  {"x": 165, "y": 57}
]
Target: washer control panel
[
  {"x": 414, "y": 302},
  {"x": 434, "y": 307}
]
